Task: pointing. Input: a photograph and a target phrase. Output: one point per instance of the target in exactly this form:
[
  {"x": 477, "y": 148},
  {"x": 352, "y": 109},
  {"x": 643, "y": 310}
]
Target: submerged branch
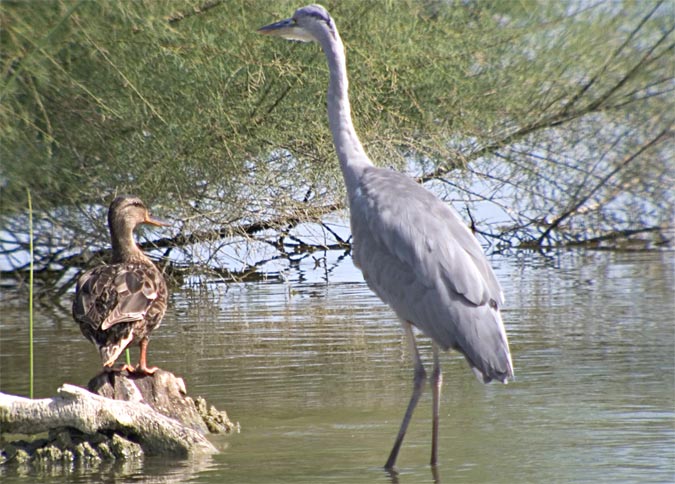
[{"x": 617, "y": 240}]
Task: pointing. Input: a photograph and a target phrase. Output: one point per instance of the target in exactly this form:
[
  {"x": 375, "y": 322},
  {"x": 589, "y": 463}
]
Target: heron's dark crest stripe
[{"x": 318, "y": 12}]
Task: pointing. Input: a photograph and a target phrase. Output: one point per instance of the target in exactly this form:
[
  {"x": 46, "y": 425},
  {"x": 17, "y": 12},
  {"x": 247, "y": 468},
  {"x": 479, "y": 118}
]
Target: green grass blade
[{"x": 30, "y": 295}]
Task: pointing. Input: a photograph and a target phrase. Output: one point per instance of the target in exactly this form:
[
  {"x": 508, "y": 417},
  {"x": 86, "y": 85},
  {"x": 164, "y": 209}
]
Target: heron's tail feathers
[
  {"x": 486, "y": 348},
  {"x": 502, "y": 377}
]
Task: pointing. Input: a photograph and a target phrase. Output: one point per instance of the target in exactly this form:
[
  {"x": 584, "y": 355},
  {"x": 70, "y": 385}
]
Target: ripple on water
[{"x": 318, "y": 376}]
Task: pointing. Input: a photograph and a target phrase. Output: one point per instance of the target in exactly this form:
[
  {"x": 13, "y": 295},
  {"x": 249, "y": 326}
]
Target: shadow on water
[{"x": 318, "y": 376}]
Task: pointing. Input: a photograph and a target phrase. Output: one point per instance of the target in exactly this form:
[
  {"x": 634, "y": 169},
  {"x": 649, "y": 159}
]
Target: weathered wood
[
  {"x": 75, "y": 407},
  {"x": 162, "y": 390}
]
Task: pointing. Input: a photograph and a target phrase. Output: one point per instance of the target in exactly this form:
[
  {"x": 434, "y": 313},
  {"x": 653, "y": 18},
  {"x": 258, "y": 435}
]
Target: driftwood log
[
  {"x": 77, "y": 408},
  {"x": 119, "y": 413}
]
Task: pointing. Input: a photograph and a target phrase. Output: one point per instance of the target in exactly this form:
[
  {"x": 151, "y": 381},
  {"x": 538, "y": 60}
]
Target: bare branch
[{"x": 663, "y": 135}]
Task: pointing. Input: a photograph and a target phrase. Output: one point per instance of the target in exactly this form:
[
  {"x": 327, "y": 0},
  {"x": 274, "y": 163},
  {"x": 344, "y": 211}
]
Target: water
[{"x": 318, "y": 376}]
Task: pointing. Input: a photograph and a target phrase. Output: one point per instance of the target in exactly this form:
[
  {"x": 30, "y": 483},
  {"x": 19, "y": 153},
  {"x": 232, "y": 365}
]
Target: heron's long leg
[
  {"x": 436, "y": 382},
  {"x": 418, "y": 385}
]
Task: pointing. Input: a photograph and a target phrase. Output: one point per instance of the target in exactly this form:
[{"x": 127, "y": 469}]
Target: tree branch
[{"x": 629, "y": 159}]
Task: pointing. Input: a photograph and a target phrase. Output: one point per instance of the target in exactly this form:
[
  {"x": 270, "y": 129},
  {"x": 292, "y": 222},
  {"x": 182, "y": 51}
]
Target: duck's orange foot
[{"x": 144, "y": 370}]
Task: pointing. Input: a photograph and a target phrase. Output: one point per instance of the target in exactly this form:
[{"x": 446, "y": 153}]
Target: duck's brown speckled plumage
[{"x": 122, "y": 302}]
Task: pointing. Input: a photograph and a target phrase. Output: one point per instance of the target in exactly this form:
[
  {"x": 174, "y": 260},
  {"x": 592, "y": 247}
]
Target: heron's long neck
[{"x": 353, "y": 158}]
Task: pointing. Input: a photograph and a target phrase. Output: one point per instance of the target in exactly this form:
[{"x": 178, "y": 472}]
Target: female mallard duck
[{"x": 118, "y": 303}]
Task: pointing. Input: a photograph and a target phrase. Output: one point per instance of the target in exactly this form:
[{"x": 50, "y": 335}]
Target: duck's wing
[{"x": 118, "y": 293}]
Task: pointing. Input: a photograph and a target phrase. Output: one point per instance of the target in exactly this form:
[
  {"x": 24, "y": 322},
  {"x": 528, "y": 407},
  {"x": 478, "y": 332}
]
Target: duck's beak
[{"x": 155, "y": 221}]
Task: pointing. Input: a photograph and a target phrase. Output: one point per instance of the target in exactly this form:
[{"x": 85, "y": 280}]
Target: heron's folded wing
[{"x": 425, "y": 234}]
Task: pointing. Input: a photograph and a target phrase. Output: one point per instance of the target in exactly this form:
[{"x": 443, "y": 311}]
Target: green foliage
[{"x": 185, "y": 105}]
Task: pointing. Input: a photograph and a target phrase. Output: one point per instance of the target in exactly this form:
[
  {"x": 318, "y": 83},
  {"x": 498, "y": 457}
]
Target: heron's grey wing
[
  {"x": 418, "y": 257},
  {"x": 425, "y": 234}
]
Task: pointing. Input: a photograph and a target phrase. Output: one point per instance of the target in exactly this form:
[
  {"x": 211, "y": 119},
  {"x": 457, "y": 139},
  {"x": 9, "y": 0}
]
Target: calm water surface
[{"x": 317, "y": 374}]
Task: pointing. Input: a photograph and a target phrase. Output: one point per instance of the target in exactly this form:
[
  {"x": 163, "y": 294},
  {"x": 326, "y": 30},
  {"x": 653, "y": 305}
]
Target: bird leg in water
[
  {"x": 142, "y": 367},
  {"x": 436, "y": 382},
  {"x": 418, "y": 386}
]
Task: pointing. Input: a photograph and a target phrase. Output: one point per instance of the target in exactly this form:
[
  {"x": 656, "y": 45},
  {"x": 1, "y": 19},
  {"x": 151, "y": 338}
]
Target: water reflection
[
  {"x": 318, "y": 376},
  {"x": 149, "y": 470}
]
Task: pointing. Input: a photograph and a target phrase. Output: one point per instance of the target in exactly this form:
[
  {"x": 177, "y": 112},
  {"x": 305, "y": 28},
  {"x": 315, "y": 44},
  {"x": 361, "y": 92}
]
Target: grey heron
[
  {"x": 125, "y": 300},
  {"x": 414, "y": 251}
]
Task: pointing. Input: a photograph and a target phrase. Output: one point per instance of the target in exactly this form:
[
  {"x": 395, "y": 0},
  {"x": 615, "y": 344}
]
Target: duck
[{"x": 122, "y": 302}]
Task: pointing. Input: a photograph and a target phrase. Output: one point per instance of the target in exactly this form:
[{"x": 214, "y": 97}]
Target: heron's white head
[{"x": 305, "y": 25}]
